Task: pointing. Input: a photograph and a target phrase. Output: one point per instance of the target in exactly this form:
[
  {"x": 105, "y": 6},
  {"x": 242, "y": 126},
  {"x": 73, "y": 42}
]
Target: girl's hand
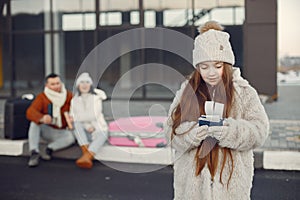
[{"x": 90, "y": 129}]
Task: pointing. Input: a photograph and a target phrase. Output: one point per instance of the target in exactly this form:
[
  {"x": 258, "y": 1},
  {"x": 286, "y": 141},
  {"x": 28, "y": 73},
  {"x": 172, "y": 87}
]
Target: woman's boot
[{"x": 86, "y": 160}]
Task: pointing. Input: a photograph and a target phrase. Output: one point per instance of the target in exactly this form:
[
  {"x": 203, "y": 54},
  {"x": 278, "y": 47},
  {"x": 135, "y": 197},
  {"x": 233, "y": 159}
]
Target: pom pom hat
[
  {"x": 212, "y": 45},
  {"x": 84, "y": 77}
]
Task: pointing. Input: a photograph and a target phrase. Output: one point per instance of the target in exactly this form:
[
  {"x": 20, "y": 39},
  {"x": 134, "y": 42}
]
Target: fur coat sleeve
[{"x": 249, "y": 126}]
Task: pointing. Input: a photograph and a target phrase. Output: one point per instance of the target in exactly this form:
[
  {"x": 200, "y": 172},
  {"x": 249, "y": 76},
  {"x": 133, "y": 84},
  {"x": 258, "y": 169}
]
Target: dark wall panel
[{"x": 260, "y": 45}]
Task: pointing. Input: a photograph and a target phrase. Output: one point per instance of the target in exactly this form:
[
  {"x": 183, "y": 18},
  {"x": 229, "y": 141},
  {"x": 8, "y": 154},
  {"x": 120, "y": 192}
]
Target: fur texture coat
[{"x": 248, "y": 128}]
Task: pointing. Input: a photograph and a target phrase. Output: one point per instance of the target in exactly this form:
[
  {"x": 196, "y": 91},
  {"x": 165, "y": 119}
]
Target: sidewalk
[
  {"x": 282, "y": 148},
  {"x": 280, "y": 151}
]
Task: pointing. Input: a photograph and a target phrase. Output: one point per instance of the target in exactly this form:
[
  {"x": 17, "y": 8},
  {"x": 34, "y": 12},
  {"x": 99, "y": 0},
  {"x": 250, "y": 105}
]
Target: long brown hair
[{"x": 196, "y": 93}]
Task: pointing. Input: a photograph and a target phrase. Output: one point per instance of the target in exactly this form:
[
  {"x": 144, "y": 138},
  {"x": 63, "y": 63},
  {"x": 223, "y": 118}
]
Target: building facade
[{"x": 40, "y": 37}]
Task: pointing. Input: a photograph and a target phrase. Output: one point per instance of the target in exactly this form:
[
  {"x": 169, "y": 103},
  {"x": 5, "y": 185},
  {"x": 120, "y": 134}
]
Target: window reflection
[
  {"x": 176, "y": 17},
  {"x": 150, "y": 19},
  {"x": 134, "y": 17},
  {"x": 30, "y": 14},
  {"x": 33, "y": 7},
  {"x": 111, "y": 18},
  {"x": 72, "y": 22}
]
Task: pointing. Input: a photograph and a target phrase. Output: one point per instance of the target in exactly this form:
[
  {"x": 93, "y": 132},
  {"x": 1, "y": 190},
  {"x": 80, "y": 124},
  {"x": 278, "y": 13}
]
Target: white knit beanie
[
  {"x": 212, "y": 45},
  {"x": 84, "y": 77}
]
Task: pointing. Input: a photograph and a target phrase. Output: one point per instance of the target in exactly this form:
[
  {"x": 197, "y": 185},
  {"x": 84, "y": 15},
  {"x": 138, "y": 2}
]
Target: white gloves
[
  {"x": 201, "y": 132},
  {"x": 191, "y": 133},
  {"x": 198, "y": 131},
  {"x": 217, "y": 131}
]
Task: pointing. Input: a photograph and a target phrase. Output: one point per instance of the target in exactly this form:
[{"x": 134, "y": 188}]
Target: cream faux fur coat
[{"x": 248, "y": 128}]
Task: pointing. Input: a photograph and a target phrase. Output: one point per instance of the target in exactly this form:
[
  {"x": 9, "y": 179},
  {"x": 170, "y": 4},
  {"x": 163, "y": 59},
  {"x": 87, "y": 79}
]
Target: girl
[
  {"x": 215, "y": 162},
  {"x": 90, "y": 126}
]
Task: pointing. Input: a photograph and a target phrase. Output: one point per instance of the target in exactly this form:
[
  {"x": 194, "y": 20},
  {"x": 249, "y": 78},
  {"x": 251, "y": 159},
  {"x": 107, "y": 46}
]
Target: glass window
[
  {"x": 176, "y": 17},
  {"x": 29, "y": 14},
  {"x": 4, "y": 10},
  {"x": 111, "y": 19},
  {"x": 150, "y": 19},
  {"x": 239, "y": 15},
  {"x": 226, "y": 16},
  {"x": 223, "y": 15},
  {"x": 29, "y": 62},
  {"x": 203, "y": 18},
  {"x": 134, "y": 17},
  {"x": 29, "y": 6},
  {"x": 79, "y": 21},
  {"x": 70, "y": 50}
]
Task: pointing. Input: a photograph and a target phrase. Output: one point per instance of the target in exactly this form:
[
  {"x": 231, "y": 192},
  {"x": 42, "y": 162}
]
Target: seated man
[{"x": 46, "y": 114}]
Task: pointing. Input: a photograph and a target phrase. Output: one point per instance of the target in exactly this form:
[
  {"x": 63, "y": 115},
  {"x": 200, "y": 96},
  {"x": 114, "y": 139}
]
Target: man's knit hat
[
  {"x": 212, "y": 45},
  {"x": 84, "y": 77}
]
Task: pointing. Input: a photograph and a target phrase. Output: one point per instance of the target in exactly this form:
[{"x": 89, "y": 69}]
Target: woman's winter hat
[
  {"x": 84, "y": 77},
  {"x": 212, "y": 45}
]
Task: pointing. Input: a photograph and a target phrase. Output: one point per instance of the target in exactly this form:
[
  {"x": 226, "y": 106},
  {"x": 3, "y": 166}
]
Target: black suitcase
[{"x": 15, "y": 123}]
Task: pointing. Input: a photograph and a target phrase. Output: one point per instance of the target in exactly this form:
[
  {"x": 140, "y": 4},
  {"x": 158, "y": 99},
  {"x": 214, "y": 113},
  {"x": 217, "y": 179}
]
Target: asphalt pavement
[{"x": 60, "y": 179}]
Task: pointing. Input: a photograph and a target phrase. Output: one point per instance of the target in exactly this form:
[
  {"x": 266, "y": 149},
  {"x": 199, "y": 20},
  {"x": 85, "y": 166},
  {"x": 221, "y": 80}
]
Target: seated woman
[{"x": 90, "y": 127}]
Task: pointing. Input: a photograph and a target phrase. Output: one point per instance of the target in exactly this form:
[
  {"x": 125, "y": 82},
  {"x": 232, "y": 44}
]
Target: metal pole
[
  {"x": 11, "y": 62},
  {"x": 82, "y": 32},
  {"x": 52, "y": 35},
  {"x": 192, "y": 27},
  {"x": 143, "y": 58},
  {"x": 141, "y": 10},
  {"x": 97, "y": 22}
]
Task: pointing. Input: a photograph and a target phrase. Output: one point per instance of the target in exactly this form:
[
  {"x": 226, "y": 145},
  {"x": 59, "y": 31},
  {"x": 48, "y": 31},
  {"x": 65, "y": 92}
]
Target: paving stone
[{"x": 275, "y": 143}]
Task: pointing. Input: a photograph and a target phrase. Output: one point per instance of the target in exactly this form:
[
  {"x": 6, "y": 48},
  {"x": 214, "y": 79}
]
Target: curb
[
  {"x": 156, "y": 156},
  {"x": 263, "y": 159},
  {"x": 276, "y": 160},
  {"x": 281, "y": 160}
]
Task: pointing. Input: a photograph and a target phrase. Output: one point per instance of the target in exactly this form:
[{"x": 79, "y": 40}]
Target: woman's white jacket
[
  {"x": 87, "y": 109},
  {"x": 248, "y": 128}
]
